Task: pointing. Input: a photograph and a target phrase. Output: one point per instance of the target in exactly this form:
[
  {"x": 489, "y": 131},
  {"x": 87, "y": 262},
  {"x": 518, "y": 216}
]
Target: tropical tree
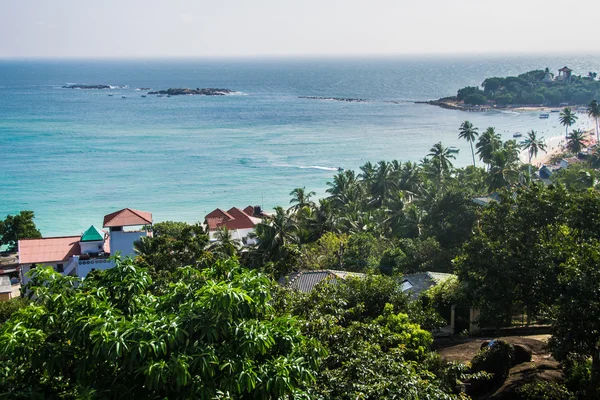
[
  {"x": 504, "y": 166},
  {"x": 439, "y": 165},
  {"x": 276, "y": 234},
  {"x": 593, "y": 111},
  {"x": 225, "y": 246},
  {"x": 575, "y": 141},
  {"x": 488, "y": 142},
  {"x": 567, "y": 118},
  {"x": 533, "y": 145},
  {"x": 382, "y": 183},
  {"x": 300, "y": 198},
  {"x": 469, "y": 133},
  {"x": 17, "y": 227},
  {"x": 212, "y": 335}
]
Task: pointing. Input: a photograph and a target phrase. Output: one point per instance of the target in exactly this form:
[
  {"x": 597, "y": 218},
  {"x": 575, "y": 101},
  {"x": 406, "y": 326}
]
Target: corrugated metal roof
[
  {"x": 417, "y": 283},
  {"x": 305, "y": 281}
]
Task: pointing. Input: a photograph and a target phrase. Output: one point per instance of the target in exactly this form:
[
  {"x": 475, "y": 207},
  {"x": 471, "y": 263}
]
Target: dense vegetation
[
  {"x": 530, "y": 88},
  {"x": 188, "y": 318}
]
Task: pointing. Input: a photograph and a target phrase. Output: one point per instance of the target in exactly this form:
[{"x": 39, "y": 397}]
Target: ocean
[{"x": 73, "y": 156}]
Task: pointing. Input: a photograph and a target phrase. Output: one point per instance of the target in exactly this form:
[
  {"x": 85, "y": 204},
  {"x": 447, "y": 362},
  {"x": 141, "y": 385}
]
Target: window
[
  {"x": 60, "y": 268},
  {"x": 405, "y": 286},
  {"x": 33, "y": 266}
]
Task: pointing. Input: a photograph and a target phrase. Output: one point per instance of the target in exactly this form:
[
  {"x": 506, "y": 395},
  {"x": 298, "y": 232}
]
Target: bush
[
  {"x": 476, "y": 99},
  {"x": 542, "y": 390},
  {"x": 8, "y": 308},
  {"x": 497, "y": 358}
]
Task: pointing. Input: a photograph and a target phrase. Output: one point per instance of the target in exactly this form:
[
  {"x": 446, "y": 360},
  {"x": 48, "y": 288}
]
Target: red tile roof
[
  {"x": 48, "y": 250},
  {"x": 234, "y": 218},
  {"x": 127, "y": 217},
  {"x": 249, "y": 210}
]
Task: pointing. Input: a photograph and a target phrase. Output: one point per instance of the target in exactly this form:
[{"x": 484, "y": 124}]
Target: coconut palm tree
[
  {"x": 504, "y": 169},
  {"x": 488, "y": 142},
  {"x": 225, "y": 246},
  {"x": 533, "y": 145},
  {"x": 382, "y": 184},
  {"x": 594, "y": 112},
  {"x": 469, "y": 133},
  {"x": 567, "y": 118},
  {"x": 344, "y": 189},
  {"x": 300, "y": 198},
  {"x": 575, "y": 141},
  {"x": 441, "y": 155},
  {"x": 276, "y": 234}
]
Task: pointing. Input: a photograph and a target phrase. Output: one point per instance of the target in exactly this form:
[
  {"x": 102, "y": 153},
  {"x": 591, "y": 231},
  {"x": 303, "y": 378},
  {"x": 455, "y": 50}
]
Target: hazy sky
[{"x": 167, "y": 28}]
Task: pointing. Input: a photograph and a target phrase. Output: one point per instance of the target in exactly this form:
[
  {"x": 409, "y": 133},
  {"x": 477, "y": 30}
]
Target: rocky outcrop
[
  {"x": 78, "y": 86},
  {"x": 449, "y": 103},
  {"x": 333, "y": 98},
  {"x": 197, "y": 91}
]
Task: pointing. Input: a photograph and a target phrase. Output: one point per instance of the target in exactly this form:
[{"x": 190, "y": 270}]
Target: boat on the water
[
  {"x": 453, "y": 149},
  {"x": 340, "y": 169},
  {"x": 544, "y": 115},
  {"x": 123, "y": 97},
  {"x": 517, "y": 134},
  {"x": 554, "y": 111},
  {"x": 143, "y": 95}
]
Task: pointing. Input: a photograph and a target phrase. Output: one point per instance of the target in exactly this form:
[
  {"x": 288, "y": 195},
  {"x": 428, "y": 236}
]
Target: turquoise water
[{"x": 73, "y": 156}]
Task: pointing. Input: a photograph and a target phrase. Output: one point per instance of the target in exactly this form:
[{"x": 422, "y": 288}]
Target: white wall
[
  {"x": 122, "y": 241},
  {"x": 86, "y": 266},
  {"x": 91, "y": 247},
  {"x": 238, "y": 234}
]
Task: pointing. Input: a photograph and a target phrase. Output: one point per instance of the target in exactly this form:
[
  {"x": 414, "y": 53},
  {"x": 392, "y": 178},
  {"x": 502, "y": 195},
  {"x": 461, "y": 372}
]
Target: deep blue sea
[{"x": 73, "y": 156}]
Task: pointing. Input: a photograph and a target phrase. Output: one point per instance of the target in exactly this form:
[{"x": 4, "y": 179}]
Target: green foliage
[
  {"x": 476, "y": 99},
  {"x": 362, "y": 252},
  {"x": 578, "y": 372},
  {"x": 16, "y": 227},
  {"x": 376, "y": 349},
  {"x": 213, "y": 334},
  {"x": 325, "y": 253},
  {"x": 8, "y": 308},
  {"x": 542, "y": 390},
  {"x": 467, "y": 91},
  {"x": 496, "y": 359}
]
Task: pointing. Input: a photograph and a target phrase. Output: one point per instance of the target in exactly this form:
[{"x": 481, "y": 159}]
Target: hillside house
[
  {"x": 240, "y": 223},
  {"x": 81, "y": 254}
]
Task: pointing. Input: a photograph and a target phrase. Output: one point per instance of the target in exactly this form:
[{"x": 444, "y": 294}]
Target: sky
[{"x": 199, "y": 28}]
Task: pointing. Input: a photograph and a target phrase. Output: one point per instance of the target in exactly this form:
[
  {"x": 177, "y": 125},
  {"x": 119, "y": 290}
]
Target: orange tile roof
[
  {"x": 48, "y": 250},
  {"x": 127, "y": 217}
]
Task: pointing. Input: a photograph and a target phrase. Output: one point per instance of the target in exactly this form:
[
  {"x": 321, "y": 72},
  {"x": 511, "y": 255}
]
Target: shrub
[
  {"x": 476, "y": 99},
  {"x": 496, "y": 359},
  {"x": 542, "y": 390}
]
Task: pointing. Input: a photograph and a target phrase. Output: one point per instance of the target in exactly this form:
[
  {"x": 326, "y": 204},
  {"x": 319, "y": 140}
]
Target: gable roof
[
  {"x": 233, "y": 219},
  {"x": 127, "y": 217},
  {"x": 305, "y": 281},
  {"x": 48, "y": 250},
  {"x": 93, "y": 234},
  {"x": 422, "y": 281},
  {"x": 565, "y": 69}
]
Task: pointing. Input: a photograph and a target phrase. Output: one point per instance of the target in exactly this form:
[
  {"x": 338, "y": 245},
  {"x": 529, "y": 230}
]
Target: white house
[
  {"x": 240, "y": 223},
  {"x": 79, "y": 255}
]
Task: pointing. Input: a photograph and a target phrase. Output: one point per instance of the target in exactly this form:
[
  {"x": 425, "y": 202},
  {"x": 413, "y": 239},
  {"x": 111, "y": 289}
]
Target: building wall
[
  {"x": 91, "y": 247},
  {"x": 86, "y": 266},
  {"x": 25, "y": 268},
  {"x": 238, "y": 234},
  {"x": 122, "y": 241}
]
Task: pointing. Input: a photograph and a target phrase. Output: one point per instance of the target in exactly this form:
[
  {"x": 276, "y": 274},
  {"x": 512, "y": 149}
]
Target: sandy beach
[{"x": 554, "y": 145}]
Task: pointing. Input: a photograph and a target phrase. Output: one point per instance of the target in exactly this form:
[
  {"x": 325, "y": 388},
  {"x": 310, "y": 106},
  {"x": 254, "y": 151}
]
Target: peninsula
[
  {"x": 534, "y": 89},
  {"x": 197, "y": 91}
]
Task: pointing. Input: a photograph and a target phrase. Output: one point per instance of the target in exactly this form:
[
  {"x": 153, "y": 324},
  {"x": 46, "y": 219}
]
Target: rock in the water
[
  {"x": 78, "y": 86},
  {"x": 522, "y": 353},
  {"x": 197, "y": 91}
]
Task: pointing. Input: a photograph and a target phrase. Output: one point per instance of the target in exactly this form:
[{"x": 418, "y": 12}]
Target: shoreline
[
  {"x": 455, "y": 105},
  {"x": 555, "y": 145}
]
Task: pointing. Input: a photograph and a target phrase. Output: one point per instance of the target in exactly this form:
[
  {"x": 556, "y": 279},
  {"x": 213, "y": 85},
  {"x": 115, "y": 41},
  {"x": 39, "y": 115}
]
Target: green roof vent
[{"x": 92, "y": 235}]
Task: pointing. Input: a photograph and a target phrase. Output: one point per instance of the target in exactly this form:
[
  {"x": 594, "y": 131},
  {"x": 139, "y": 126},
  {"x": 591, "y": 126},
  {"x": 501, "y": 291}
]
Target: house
[
  {"x": 565, "y": 162},
  {"x": 564, "y": 74},
  {"x": 9, "y": 288},
  {"x": 305, "y": 281},
  {"x": 486, "y": 200},
  {"x": 458, "y": 318},
  {"x": 415, "y": 284},
  {"x": 81, "y": 254},
  {"x": 240, "y": 223}
]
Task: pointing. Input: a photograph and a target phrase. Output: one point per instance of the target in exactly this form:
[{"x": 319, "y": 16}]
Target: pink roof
[
  {"x": 241, "y": 219},
  {"x": 127, "y": 217},
  {"x": 48, "y": 250}
]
